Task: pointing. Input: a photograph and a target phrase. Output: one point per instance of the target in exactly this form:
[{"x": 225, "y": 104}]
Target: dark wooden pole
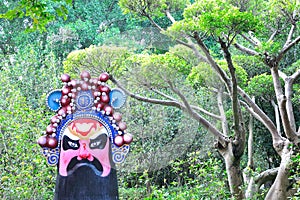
[{"x": 84, "y": 184}]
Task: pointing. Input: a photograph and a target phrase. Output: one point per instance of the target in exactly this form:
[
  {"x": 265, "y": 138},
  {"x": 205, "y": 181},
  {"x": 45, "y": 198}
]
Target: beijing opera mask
[
  {"x": 85, "y": 131},
  {"x": 84, "y": 141}
]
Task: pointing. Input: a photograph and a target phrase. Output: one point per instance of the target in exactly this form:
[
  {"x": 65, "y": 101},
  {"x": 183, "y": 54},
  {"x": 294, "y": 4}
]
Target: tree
[
  {"x": 38, "y": 13},
  {"x": 252, "y": 29}
]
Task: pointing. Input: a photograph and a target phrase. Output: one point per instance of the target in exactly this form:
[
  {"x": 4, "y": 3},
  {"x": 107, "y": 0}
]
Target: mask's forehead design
[
  {"x": 85, "y": 128},
  {"x": 85, "y": 121}
]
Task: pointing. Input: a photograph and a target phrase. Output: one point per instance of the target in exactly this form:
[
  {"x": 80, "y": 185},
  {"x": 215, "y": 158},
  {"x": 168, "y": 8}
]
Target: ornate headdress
[{"x": 88, "y": 98}]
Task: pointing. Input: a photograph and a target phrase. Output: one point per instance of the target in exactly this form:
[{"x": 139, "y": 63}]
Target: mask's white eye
[
  {"x": 95, "y": 144},
  {"x": 72, "y": 144},
  {"x": 99, "y": 142}
]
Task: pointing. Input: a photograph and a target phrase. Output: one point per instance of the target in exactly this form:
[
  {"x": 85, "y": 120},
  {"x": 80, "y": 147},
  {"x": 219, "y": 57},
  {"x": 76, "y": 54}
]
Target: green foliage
[
  {"x": 270, "y": 46},
  {"x": 216, "y": 17},
  {"x": 193, "y": 180},
  {"x": 185, "y": 53},
  {"x": 295, "y": 172},
  {"x": 204, "y": 75},
  {"x": 31, "y": 65},
  {"x": 96, "y": 60},
  {"x": 151, "y": 7},
  {"x": 292, "y": 68},
  {"x": 40, "y": 13},
  {"x": 283, "y": 7},
  {"x": 24, "y": 173},
  {"x": 261, "y": 86},
  {"x": 156, "y": 69},
  {"x": 251, "y": 64},
  {"x": 274, "y": 13},
  {"x": 23, "y": 70}
]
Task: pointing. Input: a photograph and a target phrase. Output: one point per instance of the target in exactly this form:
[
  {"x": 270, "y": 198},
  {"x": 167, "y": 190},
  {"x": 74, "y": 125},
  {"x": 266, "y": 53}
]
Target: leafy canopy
[
  {"x": 215, "y": 17},
  {"x": 39, "y": 12},
  {"x": 155, "y": 7}
]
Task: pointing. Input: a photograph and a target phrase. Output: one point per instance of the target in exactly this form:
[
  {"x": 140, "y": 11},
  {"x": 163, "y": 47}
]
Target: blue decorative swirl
[
  {"x": 52, "y": 159},
  {"x": 119, "y": 153},
  {"x": 118, "y": 157}
]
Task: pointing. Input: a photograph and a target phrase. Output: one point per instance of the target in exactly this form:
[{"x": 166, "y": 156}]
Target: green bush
[
  {"x": 23, "y": 116},
  {"x": 194, "y": 177}
]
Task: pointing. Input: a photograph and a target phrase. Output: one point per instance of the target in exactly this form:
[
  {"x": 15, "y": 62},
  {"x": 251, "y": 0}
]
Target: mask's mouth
[{"x": 75, "y": 164}]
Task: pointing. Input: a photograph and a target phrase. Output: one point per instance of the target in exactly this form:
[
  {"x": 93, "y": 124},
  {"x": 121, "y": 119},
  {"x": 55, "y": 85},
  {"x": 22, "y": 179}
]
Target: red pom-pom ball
[
  {"x": 104, "y": 77},
  {"x": 85, "y": 75},
  {"x": 51, "y": 142},
  {"x": 65, "y": 78},
  {"x": 42, "y": 141},
  {"x": 119, "y": 141},
  {"x": 127, "y": 137}
]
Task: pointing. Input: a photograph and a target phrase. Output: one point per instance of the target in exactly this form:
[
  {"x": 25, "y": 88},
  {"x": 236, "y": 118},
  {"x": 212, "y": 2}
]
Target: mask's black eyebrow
[{"x": 67, "y": 141}]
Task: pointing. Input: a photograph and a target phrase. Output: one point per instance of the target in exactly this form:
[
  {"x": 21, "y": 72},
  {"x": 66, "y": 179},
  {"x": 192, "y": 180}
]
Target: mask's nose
[{"x": 84, "y": 153}]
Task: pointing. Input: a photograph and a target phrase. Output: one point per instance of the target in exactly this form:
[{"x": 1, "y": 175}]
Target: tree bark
[
  {"x": 281, "y": 99},
  {"x": 277, "y": 116},
  {"x": 234, "y": 172},
  {"x": 222, "y": 112},
  {"x": 278, "y": 190},
  {"x": 247, "y": 172},
  {"x": 238, "y": 127}
]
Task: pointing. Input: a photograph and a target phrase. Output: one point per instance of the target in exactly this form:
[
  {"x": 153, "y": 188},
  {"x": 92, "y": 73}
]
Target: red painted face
[{"x": 84, "y": 141}]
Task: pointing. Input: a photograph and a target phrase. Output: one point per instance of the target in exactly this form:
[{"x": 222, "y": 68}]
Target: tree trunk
[
  {"x": 234, "y": 172},
  {"x": 247, "y": 172},
  {"x": 281, "y": 183}
]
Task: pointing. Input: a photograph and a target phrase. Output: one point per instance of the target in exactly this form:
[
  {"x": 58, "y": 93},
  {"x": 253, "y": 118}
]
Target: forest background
[{"x": 213, "y": 93}]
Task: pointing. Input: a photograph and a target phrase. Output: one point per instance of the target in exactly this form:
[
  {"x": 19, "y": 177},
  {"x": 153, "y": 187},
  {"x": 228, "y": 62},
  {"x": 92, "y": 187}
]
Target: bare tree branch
[
  {"x": 265, "y": 176},
  {"x": 288, "y": 90},
  {"x": 154, "y": 23},
  {"x": 146, "y": 99},
  {"x": 197, "y": 53},
  {"x": 162, "y": 94},
  {"x": 198, "y": 117},
  {"x": 282, "y": 103},
  {"x": 222, "y": 112},
  {"x": 290, "y": 35},
  {"x": 286, "y": 48},
  {"x": 250, "y": 162},
  {"x": 245, "y": 49},
  {"x": 277, "y": 117},
  {"x": 249, "y": 39},
  {"x": 273, "y": 35},
  {"x": 217, "y": 117},
  {"x": 254, "y": 40},
  {"x": 282, "y": 75},
  {"x": 212, "y": 63},
  {"x": 250, "y": 110},
  {"x": 170, "y": 17},
  {"x": 262, "y": 116},
  {"x": 186, "y": 107},
  {"x": 295, "y": 75},
  {"x": 237, "y": 116},
  {"x": 192, "y": 106}
]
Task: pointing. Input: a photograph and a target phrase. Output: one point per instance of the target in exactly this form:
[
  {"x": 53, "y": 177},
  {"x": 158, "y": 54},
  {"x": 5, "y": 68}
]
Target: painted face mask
[
  {"x": 85, "y": 130},
  {"x": 86, "y": 137},
  {"x": 85, "y": 142}
]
